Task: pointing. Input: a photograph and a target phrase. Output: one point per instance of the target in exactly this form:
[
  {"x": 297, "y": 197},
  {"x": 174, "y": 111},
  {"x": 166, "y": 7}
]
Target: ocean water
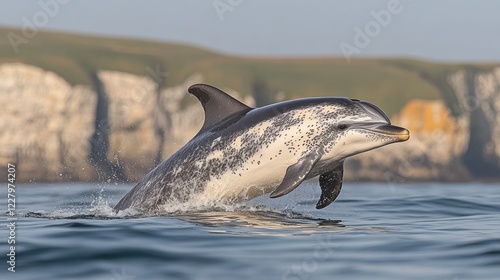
[{"x": 372, "y": 231}]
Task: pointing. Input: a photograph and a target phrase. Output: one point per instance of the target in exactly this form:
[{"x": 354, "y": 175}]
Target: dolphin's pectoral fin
[
  {"x": 295, "y": 174},
  {"x": 217, "y": 104},
  {"x": 331, "y": 184}
]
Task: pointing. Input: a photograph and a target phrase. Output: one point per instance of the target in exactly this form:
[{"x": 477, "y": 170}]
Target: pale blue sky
[{"x": 447, "y": 30}]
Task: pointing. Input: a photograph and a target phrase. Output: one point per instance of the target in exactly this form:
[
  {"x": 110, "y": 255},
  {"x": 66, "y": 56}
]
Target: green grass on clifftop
[{"x": 390, "y": 83}]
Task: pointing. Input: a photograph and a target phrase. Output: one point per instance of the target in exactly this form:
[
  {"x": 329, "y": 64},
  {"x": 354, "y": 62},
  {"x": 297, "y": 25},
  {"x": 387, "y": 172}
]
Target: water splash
[
  {"x": 207, "y": 212},
  {"x": 97, "y": 204}
]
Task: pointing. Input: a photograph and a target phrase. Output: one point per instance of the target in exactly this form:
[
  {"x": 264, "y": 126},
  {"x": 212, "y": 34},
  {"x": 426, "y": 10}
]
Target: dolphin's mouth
[{"x": 402, "y": 134}]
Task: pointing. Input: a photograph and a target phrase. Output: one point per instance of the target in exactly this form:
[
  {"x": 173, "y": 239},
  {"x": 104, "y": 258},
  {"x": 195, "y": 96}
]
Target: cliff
[
  {"x": 478, "y": 95},
  {"x": 123, "y": 125},
  {"x": 46, "y": 125},
  {"x": 433, "y": 153}
]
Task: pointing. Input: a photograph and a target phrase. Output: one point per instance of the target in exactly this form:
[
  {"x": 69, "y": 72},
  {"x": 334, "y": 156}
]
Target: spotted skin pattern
[{"x": 247, "y": 154}]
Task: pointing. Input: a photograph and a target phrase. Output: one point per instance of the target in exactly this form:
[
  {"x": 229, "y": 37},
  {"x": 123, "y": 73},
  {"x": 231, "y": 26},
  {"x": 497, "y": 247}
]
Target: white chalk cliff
[{"x": 123, "y": 125}]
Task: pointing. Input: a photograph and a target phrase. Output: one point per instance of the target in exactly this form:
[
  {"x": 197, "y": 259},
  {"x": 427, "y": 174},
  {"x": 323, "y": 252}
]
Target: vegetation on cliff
[{"x": 391, "y": 83}]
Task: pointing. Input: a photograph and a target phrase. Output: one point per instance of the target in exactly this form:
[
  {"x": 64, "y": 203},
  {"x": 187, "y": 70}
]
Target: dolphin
[{"x": 243, "y": 152}]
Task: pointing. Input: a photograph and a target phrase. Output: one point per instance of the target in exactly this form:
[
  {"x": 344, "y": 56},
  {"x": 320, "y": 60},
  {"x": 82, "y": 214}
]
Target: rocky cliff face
[
  {"x": 132, "y": 124},
  {"x": 433, "y": 152},
  {"x": 478, "y": 95},
  {"x": 444, "y": 145},
  {"x": 124, "y": 125},
  {"x": 45, "y": 124}
]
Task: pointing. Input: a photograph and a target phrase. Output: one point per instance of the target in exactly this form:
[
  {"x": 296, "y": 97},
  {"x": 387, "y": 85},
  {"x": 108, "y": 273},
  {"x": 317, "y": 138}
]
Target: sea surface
[{"x": 372, "y": 231}]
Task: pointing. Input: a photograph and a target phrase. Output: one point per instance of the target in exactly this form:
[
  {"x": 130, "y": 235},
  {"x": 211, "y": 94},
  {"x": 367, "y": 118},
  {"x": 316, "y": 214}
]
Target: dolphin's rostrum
[{"x": 243, "y": 152}]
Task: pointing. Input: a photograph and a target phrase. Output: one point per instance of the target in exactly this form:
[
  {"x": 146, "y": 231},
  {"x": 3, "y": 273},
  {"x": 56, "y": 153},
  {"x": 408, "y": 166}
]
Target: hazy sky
[{"x": 449, "y": 30}]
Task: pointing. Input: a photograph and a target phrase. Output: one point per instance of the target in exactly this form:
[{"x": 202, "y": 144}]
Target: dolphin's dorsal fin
[{"x": 217, "y": 104}]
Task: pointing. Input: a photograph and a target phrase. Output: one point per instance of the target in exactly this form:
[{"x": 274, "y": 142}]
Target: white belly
[
  {"x": 259, "y": 175},
  {"x": 263, "y": 172}
]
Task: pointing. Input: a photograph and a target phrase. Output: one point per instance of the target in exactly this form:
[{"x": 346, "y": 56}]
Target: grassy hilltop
[{"x": 390, "y": 83}]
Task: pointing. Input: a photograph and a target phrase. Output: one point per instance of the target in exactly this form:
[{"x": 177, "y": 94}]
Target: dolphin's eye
[{"x": 342, "y": 126}]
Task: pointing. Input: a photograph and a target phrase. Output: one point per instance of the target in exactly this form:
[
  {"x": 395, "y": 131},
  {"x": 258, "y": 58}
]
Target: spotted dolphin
[{"x": 243, "y": 152}]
